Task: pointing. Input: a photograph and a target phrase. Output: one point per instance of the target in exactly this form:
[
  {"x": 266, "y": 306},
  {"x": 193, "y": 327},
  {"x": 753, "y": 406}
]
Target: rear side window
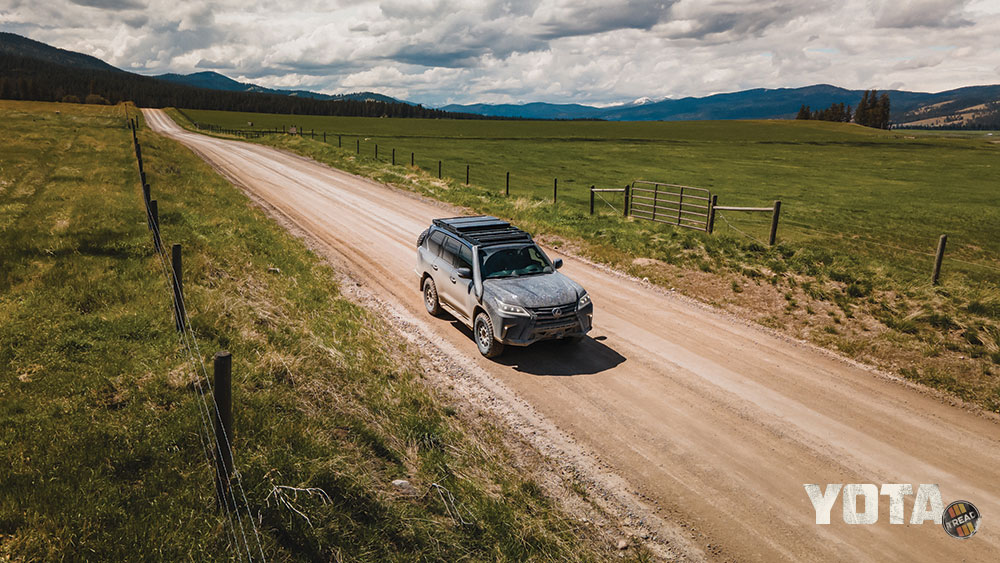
[
  {"x": 434, "y": 242},
  {"x": 464, "y": 257},
  {"x": 451, "y": 251}
]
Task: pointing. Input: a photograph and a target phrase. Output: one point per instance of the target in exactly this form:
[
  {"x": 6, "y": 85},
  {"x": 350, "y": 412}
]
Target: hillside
[
  {"x": 30, "y": 70},
  {"x": 216, "y": 81},
  {"x": 13, "y": 44}
]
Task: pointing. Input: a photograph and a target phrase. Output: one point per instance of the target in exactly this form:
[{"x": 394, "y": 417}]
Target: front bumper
[{"x": 542, "y": 325}]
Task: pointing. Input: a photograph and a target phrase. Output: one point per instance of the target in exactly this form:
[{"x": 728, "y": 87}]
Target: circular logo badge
[
  {"x": 961, "y": 519},
  {"x": 557, "y": 312}
]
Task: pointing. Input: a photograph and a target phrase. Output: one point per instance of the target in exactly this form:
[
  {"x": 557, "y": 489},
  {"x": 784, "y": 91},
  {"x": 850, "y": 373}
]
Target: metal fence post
[
  {"x": 507, "y": 186},
  {"x": 439, "y": 170},
  {"x": 938, "y": 258},
  {"x": 555, "y": 188},
  {"x": 145, "y": 201},
  {"x": 155, "y": 216},
  {"x": 774, "y": 223},
  {"x": 625, "y": 211},
  {"x": 711, "y": 213},
  {"x": 466, "y": 174},
  {"x": 394, "y": 157},
  {"x": 223, "y": 394},
  {"x": 359, "y": 146},
  {"x": 591, "y": 200},
  {"x": 178, "y": 287},
  {"x": 412, "y": 160}
]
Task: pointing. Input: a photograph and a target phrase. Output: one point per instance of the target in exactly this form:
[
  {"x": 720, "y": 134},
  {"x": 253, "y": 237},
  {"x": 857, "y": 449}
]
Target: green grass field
[
  {"x": 100, "y": 455},
  {"x": 838, "y": 183},
  {"x": 862, "y": 213}
]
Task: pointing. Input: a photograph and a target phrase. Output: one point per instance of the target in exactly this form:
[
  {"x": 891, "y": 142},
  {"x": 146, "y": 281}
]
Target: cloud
[
  {"x": 110, "y": 4},
  {"x": 906, "y": 14},
  {"x": 587, "y": 51}
]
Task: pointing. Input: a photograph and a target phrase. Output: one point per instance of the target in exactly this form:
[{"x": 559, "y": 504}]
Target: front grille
[{"x": 547, "y": 317}]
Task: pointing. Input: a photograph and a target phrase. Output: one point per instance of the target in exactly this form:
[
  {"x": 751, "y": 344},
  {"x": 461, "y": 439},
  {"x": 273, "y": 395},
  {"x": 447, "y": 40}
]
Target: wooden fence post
[
  {"x": 338, "y": 142},
  {"x": 178, "y": 287},
  {"x": 324, "y": 136},
  {"x": 938, "y": 258},
  {"x": 223, "y": 395},
  {"x": 774, "y": 223},
  {"x": 711, "y": 213}
]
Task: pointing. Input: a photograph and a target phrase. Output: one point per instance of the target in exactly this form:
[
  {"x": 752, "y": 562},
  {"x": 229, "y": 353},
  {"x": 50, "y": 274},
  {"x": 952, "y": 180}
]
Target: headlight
[
  {"x": 511, "y": 309},
  {"x": 584, "y": 301}
]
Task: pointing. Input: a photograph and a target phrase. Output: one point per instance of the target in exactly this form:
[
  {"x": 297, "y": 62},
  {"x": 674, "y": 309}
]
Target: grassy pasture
[
  {"x": 862, "y": 213},
  {"x": 100, "y": 458},
  {"x": 839, "y": 184}
]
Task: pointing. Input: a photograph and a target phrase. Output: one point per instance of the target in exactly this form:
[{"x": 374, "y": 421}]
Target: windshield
[{"x": 511, "y": 261}]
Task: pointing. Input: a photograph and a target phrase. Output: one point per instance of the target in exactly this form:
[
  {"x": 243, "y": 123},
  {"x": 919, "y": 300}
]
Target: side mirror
[
  {"x": 464, "y": 273},
  {"x": 557, "y": 263}
]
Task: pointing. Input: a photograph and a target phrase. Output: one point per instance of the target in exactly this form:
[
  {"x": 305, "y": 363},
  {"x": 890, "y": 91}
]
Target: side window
[
  {"x": 434, "y": 242},
  {"x": 450, "y": 253},
  {"x": 464, "y": 257}
]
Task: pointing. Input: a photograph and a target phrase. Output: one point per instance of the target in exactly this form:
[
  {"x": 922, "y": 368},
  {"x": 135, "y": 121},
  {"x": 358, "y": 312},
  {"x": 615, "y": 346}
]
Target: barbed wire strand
[
  {"x": 209, "y": 455},
  {"x": 193, "y": 350},
  {"x": 191, "y": 344}
]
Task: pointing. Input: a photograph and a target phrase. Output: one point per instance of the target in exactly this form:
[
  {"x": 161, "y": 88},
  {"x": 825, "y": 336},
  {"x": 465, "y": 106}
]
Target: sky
[{"x": 600, "y": 52}]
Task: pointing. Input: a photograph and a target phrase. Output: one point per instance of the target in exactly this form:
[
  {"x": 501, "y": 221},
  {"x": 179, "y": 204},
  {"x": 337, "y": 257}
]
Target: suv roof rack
[{"x": 483, "y": 230}]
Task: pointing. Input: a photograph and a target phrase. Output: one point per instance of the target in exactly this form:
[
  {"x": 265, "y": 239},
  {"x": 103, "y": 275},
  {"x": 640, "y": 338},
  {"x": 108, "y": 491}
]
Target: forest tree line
[
  {"x": 26, "y": 78},
  {"x": 872, "y": 111}
]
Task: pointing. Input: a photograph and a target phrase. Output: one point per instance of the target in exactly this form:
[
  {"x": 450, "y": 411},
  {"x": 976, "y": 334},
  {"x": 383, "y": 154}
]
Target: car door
[
  {"x": 432, "y": 257},
  {"x": 453, "y": 289}
]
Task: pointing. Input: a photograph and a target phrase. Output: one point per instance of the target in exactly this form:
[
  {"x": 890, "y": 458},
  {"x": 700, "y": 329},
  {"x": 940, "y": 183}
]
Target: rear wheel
[
  {"x": 431, "y": 298},
  {"x": 483, "y": 332}
]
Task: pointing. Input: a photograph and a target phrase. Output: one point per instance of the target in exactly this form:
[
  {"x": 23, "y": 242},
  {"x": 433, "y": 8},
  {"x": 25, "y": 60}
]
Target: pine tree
[
  {"x": 861, "y": 113},
  {"x": 803, "y": 112},
  {"x": 883, "y": 111}
]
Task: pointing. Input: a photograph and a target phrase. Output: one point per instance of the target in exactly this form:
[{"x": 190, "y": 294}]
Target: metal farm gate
[{"x": 683, "y": 206}]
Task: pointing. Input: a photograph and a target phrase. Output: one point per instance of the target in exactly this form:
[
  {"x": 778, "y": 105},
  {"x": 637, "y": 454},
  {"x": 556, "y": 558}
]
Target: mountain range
[
  {"x": 216, "y": 81},
  {"x": 918, "y": 108},
  {"x": 973, "y": 106}
]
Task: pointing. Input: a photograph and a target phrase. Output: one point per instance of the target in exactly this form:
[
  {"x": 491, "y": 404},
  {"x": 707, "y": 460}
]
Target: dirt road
[{"x": 714, "y": 423}]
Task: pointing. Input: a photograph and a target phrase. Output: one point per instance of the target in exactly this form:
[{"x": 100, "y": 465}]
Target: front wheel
[
  {"x": 431, "y": 301},
  {"x": 483, "y": 331}
]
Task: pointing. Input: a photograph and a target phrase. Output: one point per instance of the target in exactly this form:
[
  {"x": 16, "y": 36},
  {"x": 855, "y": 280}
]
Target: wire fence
[{"x": 243, "y": 531}]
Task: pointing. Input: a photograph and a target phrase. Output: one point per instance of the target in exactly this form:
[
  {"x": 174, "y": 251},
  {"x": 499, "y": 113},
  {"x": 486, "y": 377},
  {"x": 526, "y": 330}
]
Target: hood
[{"x": 541, "y": 290}]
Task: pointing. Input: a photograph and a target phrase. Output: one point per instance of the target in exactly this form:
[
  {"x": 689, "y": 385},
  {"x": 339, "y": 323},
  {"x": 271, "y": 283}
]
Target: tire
[
  {"x": 431, "y": 302},
  {"x": 482, "y": 332}
]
